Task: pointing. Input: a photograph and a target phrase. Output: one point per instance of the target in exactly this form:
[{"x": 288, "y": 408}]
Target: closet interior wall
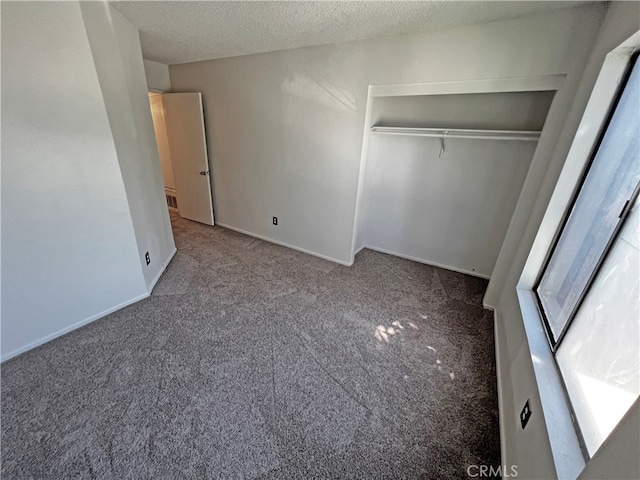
[{"x": 445, "y": 200}]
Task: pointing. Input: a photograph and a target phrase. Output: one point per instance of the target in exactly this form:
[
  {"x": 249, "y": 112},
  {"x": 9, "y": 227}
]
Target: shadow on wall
[{"x": 321, "y": 92}]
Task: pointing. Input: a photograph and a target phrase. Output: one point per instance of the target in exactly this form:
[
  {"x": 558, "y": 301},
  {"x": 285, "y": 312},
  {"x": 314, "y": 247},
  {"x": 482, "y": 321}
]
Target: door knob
[{"x": 204, "y": 172}]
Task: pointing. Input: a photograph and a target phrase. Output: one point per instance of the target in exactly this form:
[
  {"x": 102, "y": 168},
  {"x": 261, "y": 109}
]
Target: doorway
[
  {"x": 159, "y": 126},
  {"x": 178, "y": 122}
]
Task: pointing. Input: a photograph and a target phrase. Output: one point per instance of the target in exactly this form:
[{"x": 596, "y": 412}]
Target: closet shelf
[{"x": 471, "y": 134}]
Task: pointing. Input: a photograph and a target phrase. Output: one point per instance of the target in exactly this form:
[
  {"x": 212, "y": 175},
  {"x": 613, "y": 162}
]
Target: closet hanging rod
[{"x": 472, "y": 134}]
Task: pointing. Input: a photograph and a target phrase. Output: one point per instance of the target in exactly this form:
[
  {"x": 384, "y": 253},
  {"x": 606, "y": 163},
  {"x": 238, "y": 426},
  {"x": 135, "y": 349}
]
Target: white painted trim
[
  {"x": 587, "y": 135},
  {"x": 164, "y": 269},
  {"x": 283, "y": 244},
  {"x": 68, "y": 329},
  {"x": 360, "y": 188},
  {"x": 563, "y": 437},
  {"x": 360, "y": 249},
  {"x": 501, "y": 420},
  {"x": 488, "y": 85},
  {"x": 426, "y": 262}
]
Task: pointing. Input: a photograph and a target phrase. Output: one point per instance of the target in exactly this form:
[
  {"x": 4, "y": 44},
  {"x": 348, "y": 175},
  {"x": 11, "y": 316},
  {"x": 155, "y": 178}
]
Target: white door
[{"x": 188, "y": 147}]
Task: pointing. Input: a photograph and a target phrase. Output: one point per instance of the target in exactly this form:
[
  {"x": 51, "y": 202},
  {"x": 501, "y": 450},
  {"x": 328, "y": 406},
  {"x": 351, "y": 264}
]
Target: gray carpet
[{"x": 255, "y": 361}]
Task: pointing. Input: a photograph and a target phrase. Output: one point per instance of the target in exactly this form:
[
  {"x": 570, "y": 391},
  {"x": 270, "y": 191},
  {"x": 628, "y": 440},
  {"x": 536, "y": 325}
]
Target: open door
[{"x": 188, "y": 147}]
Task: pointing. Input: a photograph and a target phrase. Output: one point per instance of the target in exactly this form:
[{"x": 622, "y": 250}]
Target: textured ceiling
[{"x": 188, "y": 31}]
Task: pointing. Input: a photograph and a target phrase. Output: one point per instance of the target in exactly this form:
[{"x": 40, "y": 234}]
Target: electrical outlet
[
  {"x": 275, "y": 220},
  {"x": 147, "y": 258},
  {"x": 525, "y": 415}
]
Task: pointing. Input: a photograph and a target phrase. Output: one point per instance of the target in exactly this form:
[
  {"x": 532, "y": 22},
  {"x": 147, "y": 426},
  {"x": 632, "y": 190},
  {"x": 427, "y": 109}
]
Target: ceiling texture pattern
[{"x": 188, "y": 31}]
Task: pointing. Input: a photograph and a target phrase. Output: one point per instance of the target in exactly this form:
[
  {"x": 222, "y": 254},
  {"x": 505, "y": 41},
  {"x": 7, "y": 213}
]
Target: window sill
[{"x": 563, "y": 439}]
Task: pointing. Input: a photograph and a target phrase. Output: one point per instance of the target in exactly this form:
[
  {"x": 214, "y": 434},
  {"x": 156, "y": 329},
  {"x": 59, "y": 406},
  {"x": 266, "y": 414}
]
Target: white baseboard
[
  {"x": 427, "y": 262},
  {"x": 501, "y": 419},
  {"x": 164, "y": 269},
  {"x": 359, "y": 250},
  {"x": 79, "y": 324},
  {"x": 277, "y": 242}
]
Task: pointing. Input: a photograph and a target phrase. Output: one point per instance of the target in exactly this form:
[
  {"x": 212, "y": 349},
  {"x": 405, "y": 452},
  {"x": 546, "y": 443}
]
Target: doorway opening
[
  {"x": 178, "y": 121},
  {"x": 159, "y": 126}
]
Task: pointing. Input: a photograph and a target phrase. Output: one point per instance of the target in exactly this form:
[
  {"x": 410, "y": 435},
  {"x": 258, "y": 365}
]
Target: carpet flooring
[{"x": 254, "y": 361}]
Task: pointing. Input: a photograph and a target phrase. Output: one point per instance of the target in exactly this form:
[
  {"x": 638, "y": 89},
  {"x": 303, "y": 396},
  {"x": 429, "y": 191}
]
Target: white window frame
[{"x": 563, "y": 437}]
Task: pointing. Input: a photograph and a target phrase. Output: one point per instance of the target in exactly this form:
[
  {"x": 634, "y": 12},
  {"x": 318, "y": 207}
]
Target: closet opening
[{"x": 443, "y": 165}]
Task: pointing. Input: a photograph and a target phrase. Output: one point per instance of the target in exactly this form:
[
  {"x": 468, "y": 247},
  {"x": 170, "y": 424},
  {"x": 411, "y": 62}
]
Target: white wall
[
  {"x": 82, "y": 193},
  {"x": 450, "y": 209},
  {"x": 116, "y": 52},
  {"x": 529, "y": 448},
  {"x": 160, "y": 128},
  {"x": 157, "y": 75},
  {"x": 285, "y": 128},
  {"x": 618, "y": 455},
  {"x": 68, "y": 245}
]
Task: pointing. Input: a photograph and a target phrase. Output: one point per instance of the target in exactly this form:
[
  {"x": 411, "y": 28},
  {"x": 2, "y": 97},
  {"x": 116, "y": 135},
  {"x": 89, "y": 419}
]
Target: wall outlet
[
  {"x": 147, "y": 258},
  {"x": 275, "y": 220},
  {"x": 525, "y": 415}
]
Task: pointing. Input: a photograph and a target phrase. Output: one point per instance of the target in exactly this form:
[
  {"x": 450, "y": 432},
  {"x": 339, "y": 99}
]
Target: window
[{"x": 589, "y": 289}]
